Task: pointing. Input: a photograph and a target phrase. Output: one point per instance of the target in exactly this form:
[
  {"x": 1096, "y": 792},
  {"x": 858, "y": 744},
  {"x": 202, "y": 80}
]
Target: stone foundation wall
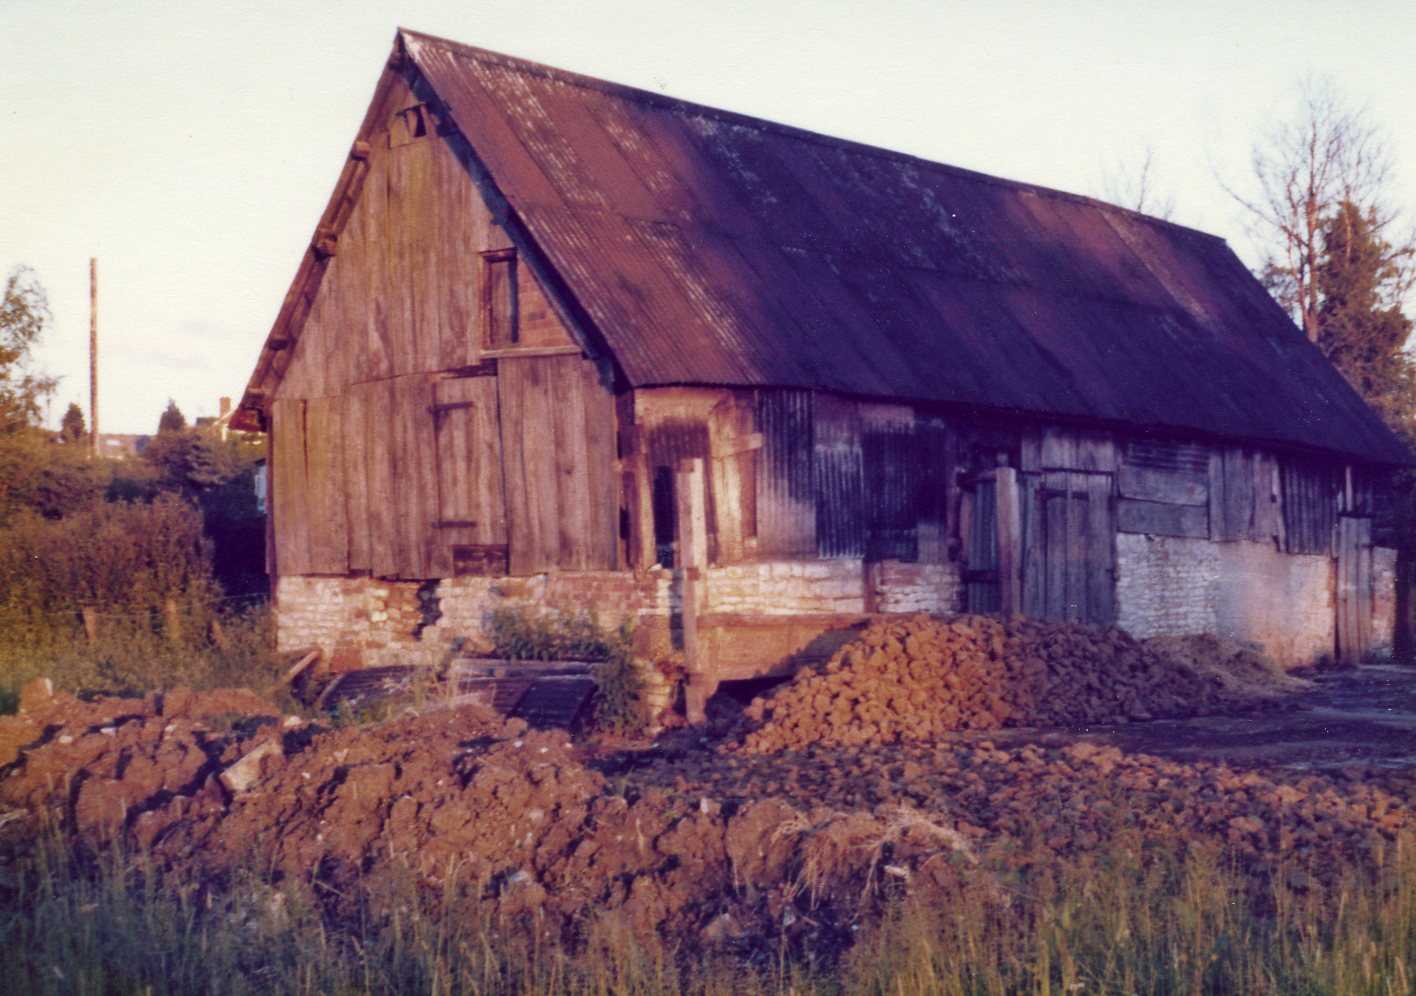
[{"x": 367, "y": 622}]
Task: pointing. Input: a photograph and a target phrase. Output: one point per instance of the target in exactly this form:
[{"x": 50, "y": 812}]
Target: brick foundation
[{"x": 367, "y": 622}]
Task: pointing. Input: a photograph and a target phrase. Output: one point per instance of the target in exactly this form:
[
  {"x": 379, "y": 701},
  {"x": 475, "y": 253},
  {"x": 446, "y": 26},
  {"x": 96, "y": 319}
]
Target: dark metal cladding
[
  {"x": 786, "y": 489},
  {"x": 713, "y": 248}
]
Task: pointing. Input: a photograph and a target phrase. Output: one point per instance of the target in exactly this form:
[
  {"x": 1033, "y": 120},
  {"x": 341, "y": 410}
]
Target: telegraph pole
[{"x": 93, "y": 356}]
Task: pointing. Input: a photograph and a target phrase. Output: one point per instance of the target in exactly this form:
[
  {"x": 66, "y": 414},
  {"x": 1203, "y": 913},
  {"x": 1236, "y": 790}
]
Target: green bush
[
  {"x": 144, "y": 574},
  {"x": 519, "y": 635}
]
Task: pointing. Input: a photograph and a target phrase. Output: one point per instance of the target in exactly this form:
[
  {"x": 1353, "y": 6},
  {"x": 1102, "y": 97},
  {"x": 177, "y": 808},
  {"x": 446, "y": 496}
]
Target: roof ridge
[{"x": 624, "y": 90}]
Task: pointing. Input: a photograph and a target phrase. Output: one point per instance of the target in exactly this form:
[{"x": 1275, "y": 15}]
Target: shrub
[{"x": 520, "y": 635}]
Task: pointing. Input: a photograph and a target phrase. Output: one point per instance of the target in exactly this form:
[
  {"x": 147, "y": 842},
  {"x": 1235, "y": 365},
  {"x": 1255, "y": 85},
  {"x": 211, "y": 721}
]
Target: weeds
[
  {"x": 1110, "y": 925},
  {"x": 519, "y": 635}
]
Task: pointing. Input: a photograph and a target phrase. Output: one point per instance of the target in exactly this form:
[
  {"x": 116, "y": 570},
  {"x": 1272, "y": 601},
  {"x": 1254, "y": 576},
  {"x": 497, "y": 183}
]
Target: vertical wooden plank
[
  {"x": 1076, "y": 547},
  {"x": 378, "y": 361},
  {"x": 291, "y": 490},
  {"x": 328, "y": 528},
  {"x": 600, "y": 455},
  {"x": 730, "y": 432},
  {"x": 1101, "y": 550},
  {"x": 1030, "y": 451},
  {"x": 692, "y": 558},
  {"x": 639, "y": 497},
  {"x": 1034, "y": 547},
  {"x": 568, "y": 483},
  {"x": 1362, "y": 585},
  {"x": 1055, "y": 507},
  {"x": 1059, "y": 448},
  {"x": 523, "y": 523},
  {"x": 386, "y": 546},
  {"x": 1009, "y": 525}
]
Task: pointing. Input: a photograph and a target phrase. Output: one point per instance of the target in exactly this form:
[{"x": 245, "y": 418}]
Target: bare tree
[
  {"x": 1134, "y": 187},
  {"x": 1327, "y": 154}
]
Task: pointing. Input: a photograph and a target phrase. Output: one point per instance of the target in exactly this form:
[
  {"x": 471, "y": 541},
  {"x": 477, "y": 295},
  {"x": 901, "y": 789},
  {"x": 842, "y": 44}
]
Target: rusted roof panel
[{"x": 710, "y": 247}]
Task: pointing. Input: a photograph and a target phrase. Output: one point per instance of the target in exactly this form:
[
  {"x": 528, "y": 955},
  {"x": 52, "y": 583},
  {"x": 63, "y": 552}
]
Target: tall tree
[
  {"x": 172, "y": 419},
  {"x": 72, "y": 429},
  {"x": 1309, "y": 164},
  {"x": 1358, "y": 284},
  {"x": 24, "y": 315}
]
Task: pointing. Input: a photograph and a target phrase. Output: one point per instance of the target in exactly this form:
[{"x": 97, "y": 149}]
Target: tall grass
[
  {"x": 121, "y": 596},
  {"x": 1191, "y": 925}
]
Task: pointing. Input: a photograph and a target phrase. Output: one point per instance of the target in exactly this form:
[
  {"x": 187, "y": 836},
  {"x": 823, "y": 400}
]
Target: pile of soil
[
  {"x": 457, "y": 797},
  {"x": 917, "y": 678},
  {"x": 741, "y": 851}
]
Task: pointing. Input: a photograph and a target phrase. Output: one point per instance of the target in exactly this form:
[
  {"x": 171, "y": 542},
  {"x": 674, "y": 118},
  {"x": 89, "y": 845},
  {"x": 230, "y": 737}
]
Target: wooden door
[
  {"x": 470, "y": 528},
  {"x": 1069, "y": 547},
  {"x": 978, "y": 528}
]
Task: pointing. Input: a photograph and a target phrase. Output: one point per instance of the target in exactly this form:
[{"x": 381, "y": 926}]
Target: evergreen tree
[
  {"x": 1360, "y": 281},
  {"x": 72, "y": 428},
  {"x": 172, "y": 419}
]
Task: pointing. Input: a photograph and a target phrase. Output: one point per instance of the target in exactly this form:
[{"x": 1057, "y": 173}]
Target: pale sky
[{"x": 191, "y": 146}]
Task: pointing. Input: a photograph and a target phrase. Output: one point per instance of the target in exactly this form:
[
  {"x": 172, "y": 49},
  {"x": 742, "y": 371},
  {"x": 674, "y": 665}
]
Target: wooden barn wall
[
  {"x": 796, "y": 474},
  {"x": 401, "y": 437},
  {"x": 558, "y": 435},
  {"x": 401, "y": 295}
]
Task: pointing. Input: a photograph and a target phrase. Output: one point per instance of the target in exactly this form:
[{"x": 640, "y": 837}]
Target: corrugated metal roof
[{"x": 710, "y": 247}]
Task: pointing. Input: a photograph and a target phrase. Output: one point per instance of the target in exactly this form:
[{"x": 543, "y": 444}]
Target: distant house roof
[{"x": 708, "y": 247}]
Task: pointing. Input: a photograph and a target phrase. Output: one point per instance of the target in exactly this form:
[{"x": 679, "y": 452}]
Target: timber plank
[
  {"x": 290, "y": 490},
  {"x": 1161, "y": 519},
  {"x": 573, "y": 508},
  {"x": 1055, "y": 506},
  {"x": 1034, "y": 546},
  {"x": 601, "y": 452},
  {"x": 324, "y": 457},
  {"x": 1076, "y": 512},
  {"x": 356, "y": 477},
  {"x": 1151, "y": 484},
  {"x": 1101, "y": 551},
  {"x": 385, "y": 539}
]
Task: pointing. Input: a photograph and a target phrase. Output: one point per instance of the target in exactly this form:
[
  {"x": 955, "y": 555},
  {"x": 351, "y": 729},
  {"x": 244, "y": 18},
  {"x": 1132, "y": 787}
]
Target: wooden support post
[
  {"x": 1010, "y": 532},
  {"x": 691, "y": 560},
  {"x": 91, "y": 625}
]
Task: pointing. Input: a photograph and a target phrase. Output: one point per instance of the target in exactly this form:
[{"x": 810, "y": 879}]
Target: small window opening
[
  {"x": 408, "y": 125},
  {"x": 500, "y": 318}
]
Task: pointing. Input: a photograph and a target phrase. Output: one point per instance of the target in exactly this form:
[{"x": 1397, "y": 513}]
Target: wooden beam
[
  {"x": 691, "y": 561},
  {"x": 1010, "y": 531},
  {"x": 360, "y": 150}
]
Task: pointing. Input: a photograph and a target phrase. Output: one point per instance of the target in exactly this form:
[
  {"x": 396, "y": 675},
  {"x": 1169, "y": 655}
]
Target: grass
[
  {"x": 133, "y": 656},
  {"x": 1109, "y": 926}
]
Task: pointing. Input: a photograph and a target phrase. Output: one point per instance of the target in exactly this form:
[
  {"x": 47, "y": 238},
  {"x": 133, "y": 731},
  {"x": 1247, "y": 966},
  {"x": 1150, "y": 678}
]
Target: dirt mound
[
  {"x": 461, "y": 798},
  {"x": 918, "y": 677},
  {"x": 742, "y": 851}
]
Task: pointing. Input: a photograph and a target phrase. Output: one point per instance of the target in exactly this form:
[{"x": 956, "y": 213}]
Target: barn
[{"x": 560, "y": 344}]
